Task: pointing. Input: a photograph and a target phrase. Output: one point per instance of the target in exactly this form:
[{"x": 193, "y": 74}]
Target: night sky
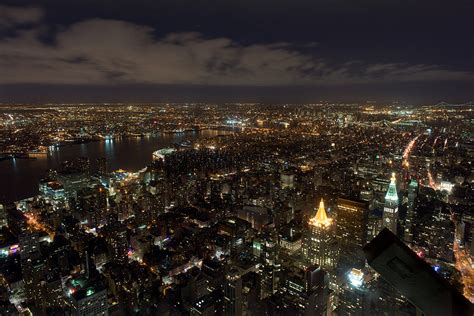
[{"x": 413, "y": 51}]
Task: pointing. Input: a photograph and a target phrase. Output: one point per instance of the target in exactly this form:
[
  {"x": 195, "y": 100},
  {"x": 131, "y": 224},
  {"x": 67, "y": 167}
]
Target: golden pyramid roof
[{"x": 321, "y": 219}]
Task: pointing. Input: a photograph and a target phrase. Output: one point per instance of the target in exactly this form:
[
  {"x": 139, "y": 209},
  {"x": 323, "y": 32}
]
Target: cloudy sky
[{"x": 248, "y": 50}]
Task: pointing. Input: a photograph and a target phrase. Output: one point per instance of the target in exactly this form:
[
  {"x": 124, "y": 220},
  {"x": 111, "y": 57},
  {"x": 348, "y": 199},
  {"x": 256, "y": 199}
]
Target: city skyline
[
  {"x": 236, "y": 209},
  {"x": 236, "y": 158}
]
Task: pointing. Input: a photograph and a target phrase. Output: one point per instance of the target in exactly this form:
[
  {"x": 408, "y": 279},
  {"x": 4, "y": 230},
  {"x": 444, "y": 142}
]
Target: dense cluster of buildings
[{"x": 267, "y": 221}]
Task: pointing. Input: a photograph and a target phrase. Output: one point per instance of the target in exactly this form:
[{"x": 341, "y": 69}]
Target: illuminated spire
[
  {"x": 392, "y": 190},
  {"x": 321, "y": 219},
  {"x": 321, "y": 215}
]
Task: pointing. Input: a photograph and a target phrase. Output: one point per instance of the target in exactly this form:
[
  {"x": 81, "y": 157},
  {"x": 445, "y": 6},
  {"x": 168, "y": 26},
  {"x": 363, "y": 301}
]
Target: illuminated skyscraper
[
  {"x": 52, "y": 290},
  {"x": 412, "y": 193},
  {"x": 351, "y": 233},
  {"x": 33, "y": 271},
  {"x": 352, "y": 294},
  {"x": 267, "y": 250},
  {"x": 117, "y": 240},
  {"x": 307, "y": 291},
  {"x": 319, "y": 243},
  {"x": 390, "y": 210}
]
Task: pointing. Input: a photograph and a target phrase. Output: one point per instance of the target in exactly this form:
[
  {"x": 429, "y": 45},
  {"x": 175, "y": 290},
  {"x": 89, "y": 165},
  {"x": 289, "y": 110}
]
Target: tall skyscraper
[
  {"x": 33, "y": 271},
  {"x": 270, "y": 267},
  {"x": 305, "y": 292},
  {"x": 412, "y": 193},
  {"x": 352, "y": 295},
  {"x": 351, "y": 233},
  {"x": 34, "y": 268},
  {"x": 233, "y": 293},
  {"x": 390, "y": 210},
  {"x": 319, "y": 242},
  {"x": 118, "y": 243},
  {"x": 439, "y": 230},
  {"x": 52, "y": 290}
]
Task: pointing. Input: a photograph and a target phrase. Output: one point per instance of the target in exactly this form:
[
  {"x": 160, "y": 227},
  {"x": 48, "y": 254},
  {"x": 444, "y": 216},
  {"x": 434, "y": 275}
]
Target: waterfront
[{"x": 20, "y": 177}]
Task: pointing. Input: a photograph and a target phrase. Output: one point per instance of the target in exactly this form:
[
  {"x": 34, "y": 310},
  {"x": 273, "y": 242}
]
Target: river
[{"x": 19, "y": 178}]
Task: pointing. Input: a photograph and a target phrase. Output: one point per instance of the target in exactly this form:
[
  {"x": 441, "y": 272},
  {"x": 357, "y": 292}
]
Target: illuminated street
[
  {"x": 465, "y": 265},
  {"x": 236, "y": 158}
]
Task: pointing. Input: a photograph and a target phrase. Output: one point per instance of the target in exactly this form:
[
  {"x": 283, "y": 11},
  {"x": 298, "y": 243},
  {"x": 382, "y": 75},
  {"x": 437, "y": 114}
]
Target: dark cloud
[
  {"x": 14, "y": 16},
  {"x": 116, "y": 52},
  {"x": 241, "y": 44}
]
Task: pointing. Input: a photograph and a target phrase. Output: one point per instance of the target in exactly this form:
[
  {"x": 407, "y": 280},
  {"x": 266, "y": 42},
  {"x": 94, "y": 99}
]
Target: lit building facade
[
  {"x": 86, "y": 296},
  {"x": 352, "y": 296},
  {"x": 351, "y": 233},
  {"x": 319, "y": 242},
  {"x": 390, "y": 210},
  {"x": 412, "y": 194}
]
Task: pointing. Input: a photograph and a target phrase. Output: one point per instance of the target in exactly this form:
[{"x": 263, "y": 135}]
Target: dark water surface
[{"x": 19, "y": 177}]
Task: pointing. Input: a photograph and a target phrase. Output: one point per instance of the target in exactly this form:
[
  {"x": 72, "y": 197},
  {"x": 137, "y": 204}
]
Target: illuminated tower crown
[
  {"x": 390, "y": 210},
  {"x": 321, "y": 219},
  {"x": 318, "y": 245},
  {"x": 392, "y": 195}
]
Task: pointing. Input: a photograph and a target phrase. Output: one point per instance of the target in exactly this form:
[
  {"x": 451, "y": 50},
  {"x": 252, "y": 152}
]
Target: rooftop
[{"x": 321, "y": 219}]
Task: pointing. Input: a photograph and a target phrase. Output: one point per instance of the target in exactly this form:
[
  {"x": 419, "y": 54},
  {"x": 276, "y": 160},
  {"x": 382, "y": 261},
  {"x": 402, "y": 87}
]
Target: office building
[
  {"x": 351, "y": 233},
  {"x": 390, "y": 210}
]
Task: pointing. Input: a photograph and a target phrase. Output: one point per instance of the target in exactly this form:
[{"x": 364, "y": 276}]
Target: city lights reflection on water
[{"x": 20, "y": 177}]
